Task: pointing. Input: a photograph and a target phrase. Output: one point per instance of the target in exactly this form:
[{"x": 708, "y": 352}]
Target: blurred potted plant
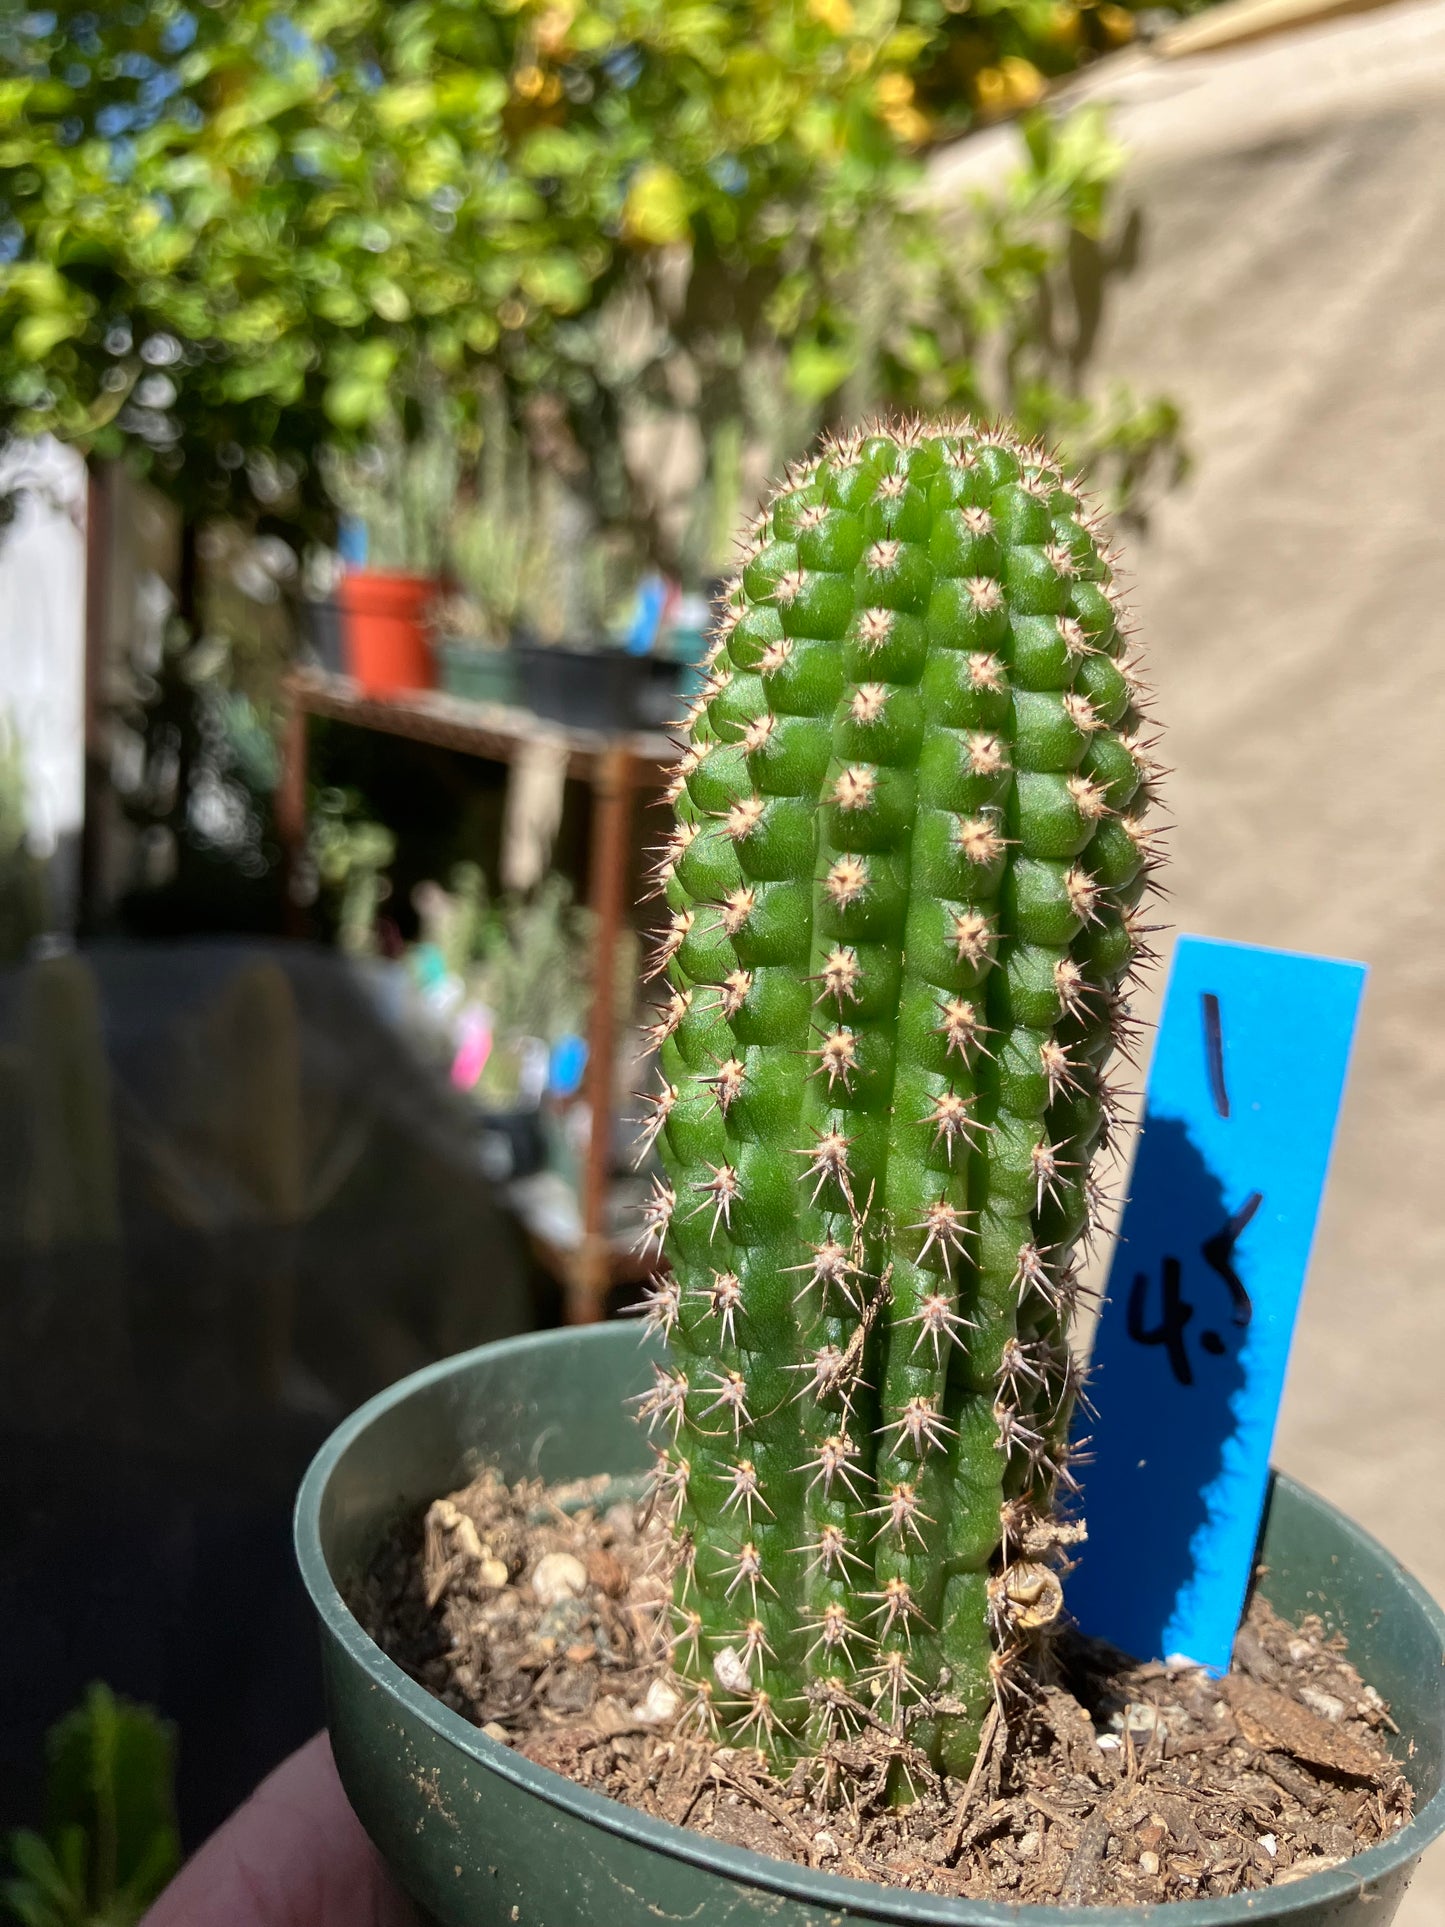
[
  {"x": 512, "y": 983},
  {"x": 535, "y": 583},
  {"x": 23, "y": 909},
  {"x": 496, "y": 554},
  {"x": 352, "y": 856},
  {"x": 473, "y": 661},
  {"x": 397, "y": 495},
  {"x": 110, "y": 1840},
  {"x": 575, "y": 667},
  {"x": 536, "y": 981},
  {"x": 325, "y": 628}
]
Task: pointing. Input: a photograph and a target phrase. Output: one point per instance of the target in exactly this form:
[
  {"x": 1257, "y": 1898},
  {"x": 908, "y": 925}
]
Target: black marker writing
[
  {"x": 1214, "y": 1051},
  {"x": 1175, "y": 1314},
  {"x": 1218, "y": 1254}
]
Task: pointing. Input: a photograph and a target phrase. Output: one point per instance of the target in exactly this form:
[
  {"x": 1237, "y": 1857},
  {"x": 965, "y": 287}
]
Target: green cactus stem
[{"x": 903, "y": 885}]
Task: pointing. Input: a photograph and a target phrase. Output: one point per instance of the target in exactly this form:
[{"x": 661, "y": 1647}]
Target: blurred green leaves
[
  {"x": 298, "y": 216},
  {"x": 816, "y": 371},
  {"x": 658, "y": 207},
  {"x": 109, "y": 1843}
]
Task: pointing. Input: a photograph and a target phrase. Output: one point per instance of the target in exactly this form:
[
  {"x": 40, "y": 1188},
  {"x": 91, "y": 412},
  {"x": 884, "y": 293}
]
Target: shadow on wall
[{"x": 231, "y": 1207}]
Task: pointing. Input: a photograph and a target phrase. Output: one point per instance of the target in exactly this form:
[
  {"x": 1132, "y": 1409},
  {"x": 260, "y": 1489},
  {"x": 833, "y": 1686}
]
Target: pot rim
[
  {"x": 367, "y": 572},
  {"x": 385, "y": 592},
  {"x": 785, "y": 1878}
]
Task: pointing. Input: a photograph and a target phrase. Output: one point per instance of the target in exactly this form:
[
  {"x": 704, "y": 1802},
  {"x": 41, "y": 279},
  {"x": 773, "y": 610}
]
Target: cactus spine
[{"x": 903, "y": 882}]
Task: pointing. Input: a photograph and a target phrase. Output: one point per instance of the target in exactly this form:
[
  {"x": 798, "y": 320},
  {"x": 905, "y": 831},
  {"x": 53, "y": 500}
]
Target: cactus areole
[{"x": 903, "y": 884}]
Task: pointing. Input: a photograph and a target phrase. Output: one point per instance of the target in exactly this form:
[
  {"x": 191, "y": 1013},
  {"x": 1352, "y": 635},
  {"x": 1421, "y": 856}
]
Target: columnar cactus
[{"x": 903, "y": 882}]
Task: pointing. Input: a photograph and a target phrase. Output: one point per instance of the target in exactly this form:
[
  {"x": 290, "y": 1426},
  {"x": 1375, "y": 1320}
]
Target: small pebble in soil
[
  {"x": 557, "y": 1576},
  {"x": 661, "y": 1706}
]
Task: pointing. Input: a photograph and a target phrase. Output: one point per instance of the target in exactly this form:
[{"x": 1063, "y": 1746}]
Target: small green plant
[
  {"x": 903, "y": 887},
  {"x": 499, "y": 547},
  {"x": 536, "y": 979},
  {"x": 526, "y": 960},
  {"x": 23, "y": 908},
  {"x": 401, "y": 486},
  {"x": 109, "y": 1843},
  {"x": 352, "y": 857},
  {"x": 460, "y": 921}
]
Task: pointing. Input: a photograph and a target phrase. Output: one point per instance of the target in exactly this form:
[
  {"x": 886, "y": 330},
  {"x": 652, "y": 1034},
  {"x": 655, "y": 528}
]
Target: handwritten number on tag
[
  {"x": 1214, "y": 1051},
  {"x": 1218, "y": 1254},
  {"x": 1177, "y": 1312},
  {"x": 1243, "y": 1095},
  {"x": 1217, "y": 1250}
]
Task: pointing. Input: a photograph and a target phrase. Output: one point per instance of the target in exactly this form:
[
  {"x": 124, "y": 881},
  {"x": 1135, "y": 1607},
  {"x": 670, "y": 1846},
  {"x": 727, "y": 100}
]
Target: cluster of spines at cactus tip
[{"x": 903, "y": 887}]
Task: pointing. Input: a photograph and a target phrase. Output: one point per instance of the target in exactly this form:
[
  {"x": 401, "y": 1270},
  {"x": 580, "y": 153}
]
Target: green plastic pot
[
  {"x": 478, "y": 1835},
  {"x": 476, "y": 674}
]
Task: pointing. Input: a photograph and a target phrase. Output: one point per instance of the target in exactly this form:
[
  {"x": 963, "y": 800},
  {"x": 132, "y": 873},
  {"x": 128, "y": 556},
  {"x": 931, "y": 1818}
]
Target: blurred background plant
[
  {"x": 520, "y": 965},
  {"x": 535, "y": 975},
  {"x": 351, "y": 855},
  {"x": 523, "y": 551},
  {"x": 500, "y": 550},
  {"x": 235, "y": 240},
  {"x": 22, "y": 874},
  {"x": 983, "y": 62},
  {"x": 400, "y": 488},
  {"x": 109, "y": 1843},
  {"x": 539, "y": 293}
]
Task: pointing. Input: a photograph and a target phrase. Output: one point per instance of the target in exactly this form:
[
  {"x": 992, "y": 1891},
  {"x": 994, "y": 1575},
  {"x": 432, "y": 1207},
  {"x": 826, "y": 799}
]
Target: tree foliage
[{"x": 232, "y": 233}]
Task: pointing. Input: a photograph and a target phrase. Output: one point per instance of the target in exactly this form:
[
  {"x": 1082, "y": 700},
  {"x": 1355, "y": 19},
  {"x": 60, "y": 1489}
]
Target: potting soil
[{"x": 540, "y": 1615}]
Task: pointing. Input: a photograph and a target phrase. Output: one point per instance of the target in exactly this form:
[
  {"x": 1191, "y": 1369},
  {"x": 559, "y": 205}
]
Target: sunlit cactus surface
[{"x": 904, "y": 881}]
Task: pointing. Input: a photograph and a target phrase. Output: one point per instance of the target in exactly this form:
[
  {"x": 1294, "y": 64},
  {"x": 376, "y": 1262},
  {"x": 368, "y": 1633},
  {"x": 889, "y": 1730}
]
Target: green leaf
[
  {"x": 375, "y": 359},
  {"x": 479, "y": 96},
  {"x": 816, "y": 371},
  {"x": 111, "y": 1775},
  {"x": 157, "y": 1864},
  {"x": 556, "y": 281},
  {"x": 42, "y": 1883},
  {"x": 355, "y": 401},
  {"x": 919, "y": 351},
  {"x": 564, "y": 151},
  {"x": 657, "y": 207},
  {"x": 342, "y": 306},
  {"x": 405, "y": 105},
  {"x": 38, "y": 334},
  {"x": 389, "y": 299}
]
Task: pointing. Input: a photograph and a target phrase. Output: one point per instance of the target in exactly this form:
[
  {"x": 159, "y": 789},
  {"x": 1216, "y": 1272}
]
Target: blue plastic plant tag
[
  {"x": 1194, "y": 1337},
  {"x": 641, "y": 632},
  {"x": 351, "y": 541},
  {"x": 568, "y": 1066}
]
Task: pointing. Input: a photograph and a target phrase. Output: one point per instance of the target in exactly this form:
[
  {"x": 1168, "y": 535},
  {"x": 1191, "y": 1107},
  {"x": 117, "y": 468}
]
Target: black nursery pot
[
  {"x": 325, "y": 633},
  {"x": 585, "y": 688},
  {"x": 478, "y": 1835}
]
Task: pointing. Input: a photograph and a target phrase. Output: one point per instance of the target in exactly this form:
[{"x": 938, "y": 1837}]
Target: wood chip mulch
[{"x": 534, "y": 1614}]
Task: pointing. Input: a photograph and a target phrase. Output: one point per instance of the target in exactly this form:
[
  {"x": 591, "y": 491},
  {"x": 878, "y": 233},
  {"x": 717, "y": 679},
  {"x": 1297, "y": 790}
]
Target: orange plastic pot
[{"x": 386, "y": 641}]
